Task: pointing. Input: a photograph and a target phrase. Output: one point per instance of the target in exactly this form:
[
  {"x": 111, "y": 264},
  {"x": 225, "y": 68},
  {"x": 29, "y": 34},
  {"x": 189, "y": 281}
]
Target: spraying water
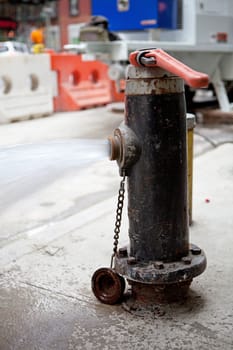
[{"x": 27, "y": 166}]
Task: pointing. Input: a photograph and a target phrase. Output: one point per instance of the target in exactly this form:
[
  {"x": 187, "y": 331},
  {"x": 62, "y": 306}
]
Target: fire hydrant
[{"x": 150, "y": 148}]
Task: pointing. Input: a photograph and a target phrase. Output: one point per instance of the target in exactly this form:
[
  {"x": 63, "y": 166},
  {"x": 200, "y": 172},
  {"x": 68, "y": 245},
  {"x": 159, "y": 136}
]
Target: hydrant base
[{"x": 150, "y": 294}]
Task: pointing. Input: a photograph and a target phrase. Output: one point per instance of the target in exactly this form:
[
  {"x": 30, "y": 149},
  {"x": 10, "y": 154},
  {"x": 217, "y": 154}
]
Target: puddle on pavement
[{"x": 27, "y": 166}]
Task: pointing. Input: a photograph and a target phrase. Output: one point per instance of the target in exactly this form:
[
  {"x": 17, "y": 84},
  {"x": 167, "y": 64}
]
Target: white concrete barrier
[{"x": 26, "y": 87}]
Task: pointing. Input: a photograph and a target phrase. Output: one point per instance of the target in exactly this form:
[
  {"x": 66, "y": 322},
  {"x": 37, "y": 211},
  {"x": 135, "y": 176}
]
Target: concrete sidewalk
[{"x": 45, "y": 298}]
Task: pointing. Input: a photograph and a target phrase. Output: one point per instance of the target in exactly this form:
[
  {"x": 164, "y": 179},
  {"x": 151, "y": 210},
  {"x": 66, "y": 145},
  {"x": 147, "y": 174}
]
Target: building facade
[
  {"x": 72, "y": 14},
  {"x": 62, "y": 20}
]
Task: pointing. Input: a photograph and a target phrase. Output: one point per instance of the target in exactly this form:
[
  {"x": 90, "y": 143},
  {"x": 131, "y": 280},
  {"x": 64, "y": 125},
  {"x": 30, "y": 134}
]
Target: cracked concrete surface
[{"x": 55, "y": 238}]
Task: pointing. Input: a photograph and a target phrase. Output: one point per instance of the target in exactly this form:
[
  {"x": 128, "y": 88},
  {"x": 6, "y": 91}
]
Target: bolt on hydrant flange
[{"x": 160, "y": 262}]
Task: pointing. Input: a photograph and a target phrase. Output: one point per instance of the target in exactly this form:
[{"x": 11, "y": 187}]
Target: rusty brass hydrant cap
[{"x": 108, "y": 286}]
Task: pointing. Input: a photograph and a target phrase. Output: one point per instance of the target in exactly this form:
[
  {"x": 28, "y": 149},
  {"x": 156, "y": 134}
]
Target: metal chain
[{"x": 120, "y": 203}]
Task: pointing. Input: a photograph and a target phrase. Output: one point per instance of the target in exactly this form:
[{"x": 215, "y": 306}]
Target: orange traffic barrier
[
  {"x": 81, "y": 84},
  {"x": 118, "y": 96}
]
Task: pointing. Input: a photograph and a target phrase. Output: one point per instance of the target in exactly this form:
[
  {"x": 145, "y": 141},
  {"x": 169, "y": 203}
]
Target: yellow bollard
[
  {"x": 190, "y": 127},
  {"x": 38, "y": 48}
]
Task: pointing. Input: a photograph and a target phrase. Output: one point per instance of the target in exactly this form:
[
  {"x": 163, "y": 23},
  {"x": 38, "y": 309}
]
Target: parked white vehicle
[{"x": 13, "y": 48}]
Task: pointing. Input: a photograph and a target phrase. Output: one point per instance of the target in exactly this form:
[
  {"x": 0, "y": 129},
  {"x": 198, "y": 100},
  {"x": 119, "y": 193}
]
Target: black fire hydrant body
[{"x": 160, "y": 262}]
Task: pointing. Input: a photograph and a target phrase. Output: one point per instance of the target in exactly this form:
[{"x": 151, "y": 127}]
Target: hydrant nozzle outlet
[{"x": 124, "y": 147}]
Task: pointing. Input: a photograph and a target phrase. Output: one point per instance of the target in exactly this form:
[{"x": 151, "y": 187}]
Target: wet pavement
[{"x": 53, "y": 239}]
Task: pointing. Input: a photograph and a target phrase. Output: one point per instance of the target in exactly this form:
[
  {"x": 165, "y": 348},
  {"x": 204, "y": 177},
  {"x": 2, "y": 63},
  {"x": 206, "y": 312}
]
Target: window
[{"x": 73, "y": 7}]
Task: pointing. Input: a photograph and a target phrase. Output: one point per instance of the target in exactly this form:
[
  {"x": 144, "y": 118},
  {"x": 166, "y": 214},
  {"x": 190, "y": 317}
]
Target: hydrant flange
[{"x": 159, "y": 272}]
